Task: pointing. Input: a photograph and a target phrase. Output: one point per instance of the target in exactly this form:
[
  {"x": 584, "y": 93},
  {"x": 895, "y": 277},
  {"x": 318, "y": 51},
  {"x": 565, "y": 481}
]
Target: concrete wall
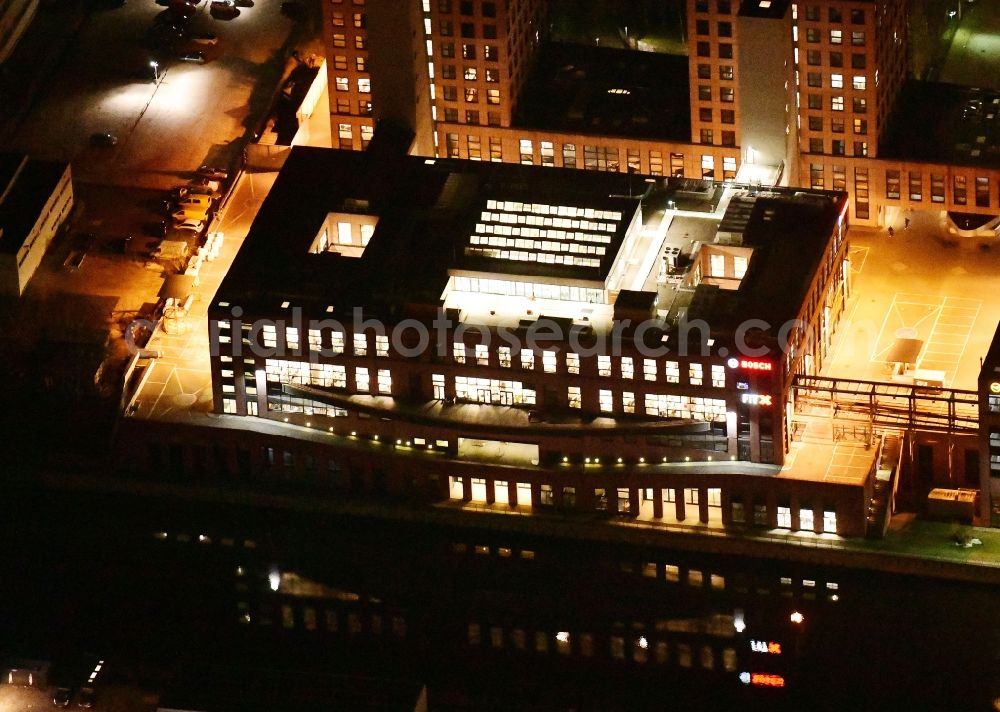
[
  {"x": 15, "y": 17},
  {"x": 763, "y": 70},
  {"x": 17, "y": 270}
]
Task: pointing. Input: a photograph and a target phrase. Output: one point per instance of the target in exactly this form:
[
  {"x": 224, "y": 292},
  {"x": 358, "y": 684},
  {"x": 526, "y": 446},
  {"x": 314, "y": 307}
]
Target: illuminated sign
[
  {"x": 766, "y": 679},
  {"x": 742, "y": 386},
  {"x": 765, "y": 646},
  {"x": 761, "y": 399},
  {"x": 752, "y": 364},
  {"x": 995, "y": 387}
]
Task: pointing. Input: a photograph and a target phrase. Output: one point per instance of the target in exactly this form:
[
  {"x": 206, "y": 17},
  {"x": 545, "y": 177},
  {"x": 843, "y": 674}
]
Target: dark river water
[{"x": 177, "y": 597}]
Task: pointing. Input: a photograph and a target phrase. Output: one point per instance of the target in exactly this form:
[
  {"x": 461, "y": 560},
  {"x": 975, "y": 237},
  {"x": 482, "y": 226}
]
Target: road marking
[{"x": 951, "y": 324}]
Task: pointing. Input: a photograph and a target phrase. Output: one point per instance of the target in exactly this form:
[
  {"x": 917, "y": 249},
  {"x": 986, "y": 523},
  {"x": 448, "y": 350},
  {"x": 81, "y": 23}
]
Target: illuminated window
[
  {"x": 717, "y": 265},
  {"x": 437, "y": 382},
  {"x": 806, "y": 520},
  {"x": 381, "y": 345},
  {"x": 458, "y": 352},
  {"x": 649, "y": 369},
  {"x": 527, "y": 359},
  {"x": 549, "y": 361},
  {"x": 360, "y": 344},
  {"x": 830, "y": 521},
  {"x": 337, "y": 342},
  {"x": 342, "y": 83},
  {"x": 718, "y": 376},
  {"x": 344, "y": 235},
  {"x": 628, "y": 402},
  {"x": 384, "y": 381},
  {"x": 859, "y": 82},
  {"x": 836, "y": 81},
  {"x": 364, "y": 86},
  {"x": 695, "y": 374},
  {"x": 628, "y": 370},
  {"x": 503, "y": 354},
  {"x": 573, "y": 396},
  {"x": 573, "y": 363},
  {"x": 603, "y": 365},
  {"x": 361, "y": 379},
  {"x": 315, "y": 340},
  {"x": 673, "y": 573},
  {"x": 836, "y": 36},
  {"x": 606, "y": 402},
  {"x": 482, "y": 355},
  {"x": 292, "y": 337},
  {"x": 784, "y": 518}
]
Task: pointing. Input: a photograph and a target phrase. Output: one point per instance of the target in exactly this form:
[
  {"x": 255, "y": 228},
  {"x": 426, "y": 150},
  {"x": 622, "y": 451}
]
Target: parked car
[
  {"x": 205, "y": 186},
  {"x": 104, "y": 139},
  {"x": 193, "y": 57},
  {"x": 191, "y": 226},
  {"x": 196, "y": 201},
  {"x": 61, "y": 697},
  {"x": 205, "y": 38},
  {"x": 86, "y": 697},
  {"x": 189, "y": 214},
  {"x": 225, "y": 8},
  {"x": 211, "y": 173},
  {"x": 182, "y": 9}
]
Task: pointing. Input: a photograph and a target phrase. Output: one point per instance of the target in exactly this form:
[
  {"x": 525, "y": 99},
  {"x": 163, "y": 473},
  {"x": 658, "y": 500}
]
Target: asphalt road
[{"x": 194, "y": 114}]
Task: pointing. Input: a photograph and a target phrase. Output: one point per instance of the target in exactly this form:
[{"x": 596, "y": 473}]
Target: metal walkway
[{"x": 886, "y": 405}]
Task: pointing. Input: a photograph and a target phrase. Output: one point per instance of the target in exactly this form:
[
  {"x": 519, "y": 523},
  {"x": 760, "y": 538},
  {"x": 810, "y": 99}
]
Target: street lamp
[{"x": 155, "y": 65}]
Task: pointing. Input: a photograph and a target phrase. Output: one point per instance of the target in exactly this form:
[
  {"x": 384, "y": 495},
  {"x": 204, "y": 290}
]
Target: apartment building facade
[{"x": 797, "y": 93}]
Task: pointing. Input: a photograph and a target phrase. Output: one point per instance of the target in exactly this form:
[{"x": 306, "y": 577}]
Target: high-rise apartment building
[{"x": 798, "y": 93}]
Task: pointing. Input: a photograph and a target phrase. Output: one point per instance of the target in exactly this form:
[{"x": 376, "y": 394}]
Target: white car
[{"x": 191, "y": 225}]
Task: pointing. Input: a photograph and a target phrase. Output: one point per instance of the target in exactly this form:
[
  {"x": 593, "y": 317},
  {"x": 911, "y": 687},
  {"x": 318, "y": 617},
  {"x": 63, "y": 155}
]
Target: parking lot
[
  {"x": 921, "y": 283},
  {"x": 190, "y": 115}
]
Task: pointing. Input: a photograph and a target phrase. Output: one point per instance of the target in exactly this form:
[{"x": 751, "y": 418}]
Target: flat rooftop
[
  {"x": 944, "y": 123},
  {"x": 602, "y": 91},
  {"x": 434, "y": 219}
]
